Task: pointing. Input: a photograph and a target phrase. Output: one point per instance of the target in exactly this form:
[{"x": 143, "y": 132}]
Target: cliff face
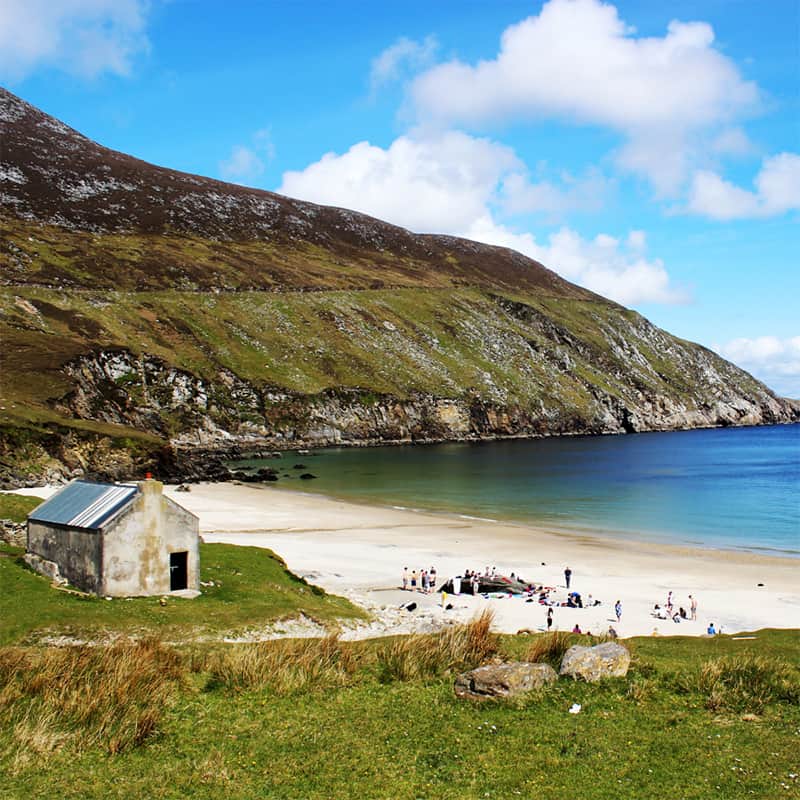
[{"x": 147, "y": 315}]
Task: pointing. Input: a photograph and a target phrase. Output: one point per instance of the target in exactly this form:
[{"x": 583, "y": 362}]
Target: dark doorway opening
[{"x": 178, "y": 571}]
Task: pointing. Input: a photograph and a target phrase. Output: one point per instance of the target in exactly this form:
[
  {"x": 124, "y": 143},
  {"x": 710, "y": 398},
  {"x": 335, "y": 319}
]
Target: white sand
[{"x": 359, "y": 551}]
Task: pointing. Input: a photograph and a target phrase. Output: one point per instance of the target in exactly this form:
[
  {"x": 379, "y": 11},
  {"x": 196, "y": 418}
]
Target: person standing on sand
[
  {"x": 567, "y": 576},
  {"x": 618, "y": 610},
  {"x": 693, "y": 607},
  {"x": 549, "y": 618},
  {"x": 432, "y": 576},
  {"x": 405, "y": 578},
  {"x": 414, "y": 581}
]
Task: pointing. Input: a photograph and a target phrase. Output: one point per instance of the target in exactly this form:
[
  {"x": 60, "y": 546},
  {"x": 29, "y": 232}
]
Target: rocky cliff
[{"x": 149, "y": 318}]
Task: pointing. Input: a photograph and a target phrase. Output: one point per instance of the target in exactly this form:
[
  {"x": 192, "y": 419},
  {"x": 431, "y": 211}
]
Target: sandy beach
[{"x": 359, "y": 551}]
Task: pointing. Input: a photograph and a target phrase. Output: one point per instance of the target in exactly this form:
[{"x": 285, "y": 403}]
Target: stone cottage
[{"x": 116, "y": 540}]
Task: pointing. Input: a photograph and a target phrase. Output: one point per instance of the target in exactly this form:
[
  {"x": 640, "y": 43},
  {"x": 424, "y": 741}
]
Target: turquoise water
[{"x": 733, "y": 488}]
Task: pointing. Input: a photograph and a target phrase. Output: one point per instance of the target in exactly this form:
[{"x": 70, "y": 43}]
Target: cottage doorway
[{"x": 178, "y": 571}]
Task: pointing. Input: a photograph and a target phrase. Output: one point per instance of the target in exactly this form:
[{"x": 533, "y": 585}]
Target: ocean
[{"x": 730, "y": 488}]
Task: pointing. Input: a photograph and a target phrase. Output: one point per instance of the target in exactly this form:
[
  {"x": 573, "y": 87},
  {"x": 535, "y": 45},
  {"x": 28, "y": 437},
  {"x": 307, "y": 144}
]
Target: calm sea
[{"x": 733, "y": 488}]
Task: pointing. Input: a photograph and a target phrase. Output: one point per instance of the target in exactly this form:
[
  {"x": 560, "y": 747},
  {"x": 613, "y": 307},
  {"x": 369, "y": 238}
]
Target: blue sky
[{"x": 650, "y": 151}]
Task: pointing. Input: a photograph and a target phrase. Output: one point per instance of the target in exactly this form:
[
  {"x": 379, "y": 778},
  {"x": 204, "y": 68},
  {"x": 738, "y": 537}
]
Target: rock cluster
[{"x": 591, "y": 664}]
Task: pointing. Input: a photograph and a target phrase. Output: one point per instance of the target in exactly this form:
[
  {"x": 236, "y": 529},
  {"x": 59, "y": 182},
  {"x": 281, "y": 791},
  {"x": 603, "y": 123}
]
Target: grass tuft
[
  {"x": 549, "y": 648},
  {"x": 422, "y": 656},
  {"x": 747, "y": 683}
]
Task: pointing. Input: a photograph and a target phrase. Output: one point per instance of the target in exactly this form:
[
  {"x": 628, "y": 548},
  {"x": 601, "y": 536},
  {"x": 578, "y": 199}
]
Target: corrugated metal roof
[{"x": 82, "y": 504}]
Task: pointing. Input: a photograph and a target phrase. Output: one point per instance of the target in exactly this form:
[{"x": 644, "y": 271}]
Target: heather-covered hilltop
[{"x": 149, "y": 317}]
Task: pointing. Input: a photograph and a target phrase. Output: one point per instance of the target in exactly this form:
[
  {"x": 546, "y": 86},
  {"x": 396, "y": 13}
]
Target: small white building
[{"x": 116, "y": 540}]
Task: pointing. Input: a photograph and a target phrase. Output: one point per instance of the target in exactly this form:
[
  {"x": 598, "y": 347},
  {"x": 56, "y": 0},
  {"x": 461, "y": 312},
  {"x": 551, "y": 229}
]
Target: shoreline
[
  {"x": 359, "y": 551},
  {"x": 604, "y": 535}
]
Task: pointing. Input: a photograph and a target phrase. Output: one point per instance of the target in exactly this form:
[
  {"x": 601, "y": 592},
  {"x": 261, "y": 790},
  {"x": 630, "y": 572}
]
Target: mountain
[{"x": 149, "y": 317}]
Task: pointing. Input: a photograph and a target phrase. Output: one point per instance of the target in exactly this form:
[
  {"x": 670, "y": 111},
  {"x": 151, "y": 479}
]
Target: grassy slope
[
  {"x": 252, "y": 588},
  {"x": 378, "y": 740},
  {"x": 17, "y": 507},
  {"x": 447, "y": 342}
]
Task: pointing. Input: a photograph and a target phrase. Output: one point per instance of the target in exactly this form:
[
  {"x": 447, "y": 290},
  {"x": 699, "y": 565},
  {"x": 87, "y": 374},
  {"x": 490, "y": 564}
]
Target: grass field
[
  {"x": 251, "y": 588},
  {"x": 323, "y": 719},
  {"x": 354, "y": 731}
]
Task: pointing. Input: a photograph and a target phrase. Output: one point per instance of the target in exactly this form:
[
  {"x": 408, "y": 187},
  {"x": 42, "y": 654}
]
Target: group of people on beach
[
  {"x": 679, "y": 614},
  {"x": 423, "y": 580}
]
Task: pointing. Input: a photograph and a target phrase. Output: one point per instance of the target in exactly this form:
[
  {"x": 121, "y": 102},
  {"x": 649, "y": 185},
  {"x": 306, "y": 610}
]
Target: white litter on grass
[{"x": 575, "y": 708}]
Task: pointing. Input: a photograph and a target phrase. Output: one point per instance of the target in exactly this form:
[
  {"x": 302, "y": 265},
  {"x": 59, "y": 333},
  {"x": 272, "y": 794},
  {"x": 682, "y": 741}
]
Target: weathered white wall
[
  {"x": 137, "y": 544},
  {"x": 76, "y": 552}
]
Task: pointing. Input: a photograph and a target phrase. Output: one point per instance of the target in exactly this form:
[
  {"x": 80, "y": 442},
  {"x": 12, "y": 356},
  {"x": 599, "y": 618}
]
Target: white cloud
[
  {"x": 577, "y": 60},
  {"x": 732, "y": 142},
  {"x": 774, "y": 361},
  {"x": 246, "y": 163},
  {"x": 404, "y": 55},
  {"x": 451, "y": 183},
  {"x": 617, "y": 270},
  {"x": 522, "y": 195},
  {"x": 777, "y": 190},
  {"x": 436, "y": 184},
  {"x": 83, "y": 37}
]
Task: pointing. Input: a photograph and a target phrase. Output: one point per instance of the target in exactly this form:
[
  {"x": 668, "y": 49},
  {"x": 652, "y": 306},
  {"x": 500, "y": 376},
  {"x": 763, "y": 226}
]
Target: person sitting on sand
[
  {"x": 612, "y": 633},
  {"x": 577, "y": 628},
  {"x": 711, "y": 630},
  {"x": 682, "y": 612}
]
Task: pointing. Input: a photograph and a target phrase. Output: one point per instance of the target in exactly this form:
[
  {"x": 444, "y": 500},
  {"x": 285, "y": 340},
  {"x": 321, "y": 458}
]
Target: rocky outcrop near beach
[
  {"x": 592, "y": 664},
  {"x": 154, "y": 320},
  {"x": 495, "y": 681}
]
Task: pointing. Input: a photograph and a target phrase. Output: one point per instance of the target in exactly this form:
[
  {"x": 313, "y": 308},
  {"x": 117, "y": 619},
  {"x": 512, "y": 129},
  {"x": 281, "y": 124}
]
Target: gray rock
[
  {"x": 607, "y": 660},
  {"x": 13, "y": 533},
  {"x": 503, "y": 680}
]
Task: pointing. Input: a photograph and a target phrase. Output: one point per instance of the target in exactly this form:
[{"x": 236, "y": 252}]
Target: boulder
[
  {"x": 503, "y": 680},
  {"x": 591, "y": 664}
]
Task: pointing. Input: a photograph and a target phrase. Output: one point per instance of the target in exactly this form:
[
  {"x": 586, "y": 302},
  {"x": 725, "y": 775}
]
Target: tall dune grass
[
  {"x": 422, "y": 656},
  {"x": 549, "y": 648},
  {"x": 286, "y": 665},
  {"x": 110, "y": 696}
]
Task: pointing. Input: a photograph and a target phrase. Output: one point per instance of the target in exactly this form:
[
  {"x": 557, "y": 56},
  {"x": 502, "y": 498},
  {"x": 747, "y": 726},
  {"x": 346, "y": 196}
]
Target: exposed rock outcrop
[
  {"x": 503, "y": 680},
  {"x": 591, "y": 664}
]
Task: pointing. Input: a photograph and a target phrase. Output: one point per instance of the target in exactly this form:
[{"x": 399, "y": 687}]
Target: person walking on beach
[
  {"x": 693, "y": 607},
  {"x": 549, "y": 618},
  {"x": 567, "y": 576},
  {"x": 618, "y": 610}
]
